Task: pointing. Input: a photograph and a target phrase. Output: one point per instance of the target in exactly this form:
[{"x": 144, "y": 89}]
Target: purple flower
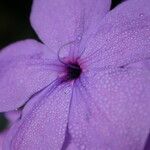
[{"x": 87, "y": 87}]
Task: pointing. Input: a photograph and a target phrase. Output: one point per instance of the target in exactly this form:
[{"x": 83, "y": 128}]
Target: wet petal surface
[
  {"x": 123, "y": 37},
  {"x": 44, "y": 125},
  {"x": 110, "y": 109},
  {"x": 58, "y": 22},
  {"x": 25, "y": 68}
]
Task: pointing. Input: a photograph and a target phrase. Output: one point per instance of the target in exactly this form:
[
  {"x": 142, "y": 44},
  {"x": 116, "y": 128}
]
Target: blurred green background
[{"x": 14, "y": 21}]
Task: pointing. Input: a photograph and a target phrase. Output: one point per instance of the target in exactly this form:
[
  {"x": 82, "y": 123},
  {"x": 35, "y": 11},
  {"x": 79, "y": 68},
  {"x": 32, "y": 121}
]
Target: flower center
[{"x": 73, "y": 71}]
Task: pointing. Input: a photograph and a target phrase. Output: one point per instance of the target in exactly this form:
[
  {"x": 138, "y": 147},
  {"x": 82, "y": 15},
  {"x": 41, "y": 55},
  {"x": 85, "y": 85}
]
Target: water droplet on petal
[
  {"x": 83, "y": 147},
  {"x": 141, "y": 14},
  {"x": 79, "y": 38}
]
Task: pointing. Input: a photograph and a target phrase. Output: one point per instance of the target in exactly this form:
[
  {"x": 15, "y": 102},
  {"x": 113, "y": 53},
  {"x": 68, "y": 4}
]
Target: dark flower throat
[{"x": 73, "y": 71}]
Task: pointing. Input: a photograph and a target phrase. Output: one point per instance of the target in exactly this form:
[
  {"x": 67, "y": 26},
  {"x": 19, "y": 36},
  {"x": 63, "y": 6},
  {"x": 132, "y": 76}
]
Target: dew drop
[
  {"x": 82, "y": 147},
  {"x": 141, "y": 14}
]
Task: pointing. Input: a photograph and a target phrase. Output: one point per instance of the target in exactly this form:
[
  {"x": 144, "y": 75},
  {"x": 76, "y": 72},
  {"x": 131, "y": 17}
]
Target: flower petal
[
  {"x": 2, "y": 136},
  {"x": 110, "y": 110},
  {"x": 58, "y": 22},
  {"x": 42, "y": 126},
  {"x": 123, "y": 37},
  {"x": 13, "y": 116},
  {"x": 25, "y": 68}
]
